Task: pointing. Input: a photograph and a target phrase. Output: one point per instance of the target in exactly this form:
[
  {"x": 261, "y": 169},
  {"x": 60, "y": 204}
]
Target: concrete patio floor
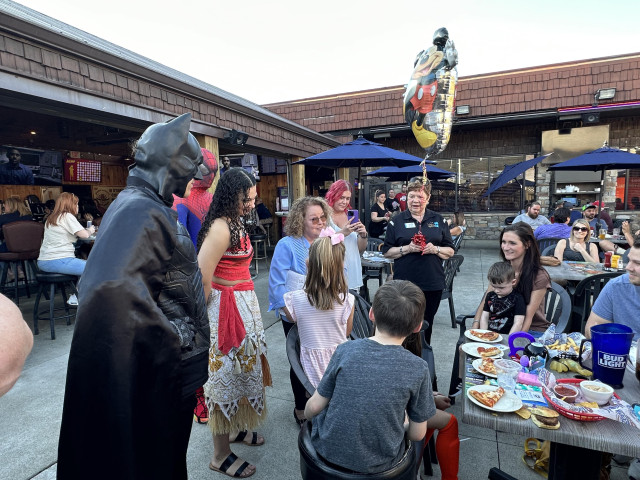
[{"x": 30, "y": 413}]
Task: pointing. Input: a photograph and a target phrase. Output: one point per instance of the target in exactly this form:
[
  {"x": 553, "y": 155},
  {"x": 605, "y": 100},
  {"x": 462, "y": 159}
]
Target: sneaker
[{"x": 73, "y": 300}]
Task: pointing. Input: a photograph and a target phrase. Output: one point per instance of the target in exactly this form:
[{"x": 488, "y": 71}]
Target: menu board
[{"x": 81, "y": 170}]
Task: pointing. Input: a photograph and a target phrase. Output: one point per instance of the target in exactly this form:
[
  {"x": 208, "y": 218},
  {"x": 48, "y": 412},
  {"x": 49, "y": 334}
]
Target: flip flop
[
  {"x": 228, "y": 462},
  {"x": 253, "y": 441}
]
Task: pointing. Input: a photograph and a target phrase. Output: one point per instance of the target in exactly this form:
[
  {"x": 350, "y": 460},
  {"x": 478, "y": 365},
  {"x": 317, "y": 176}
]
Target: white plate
[
  {"x": 468, "y": 334},
  {"x": 476, "y": 364},
  {"x": 472, "y": 349},
  {"x": 509, "y": 402}
]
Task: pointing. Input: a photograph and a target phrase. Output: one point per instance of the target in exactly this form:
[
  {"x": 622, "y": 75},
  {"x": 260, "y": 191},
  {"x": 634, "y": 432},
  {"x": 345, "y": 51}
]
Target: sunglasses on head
[
  {"x": 581, "y": 229},
  {"x": 317, "y": 220}
]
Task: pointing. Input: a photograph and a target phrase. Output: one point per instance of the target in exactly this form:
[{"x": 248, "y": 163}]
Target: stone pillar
[
  {"x": 609, "y": 192},
  {"x": 297, "y": 180},
  {"x": 543, "y": 181},
  {"x": 343, "y": 174},
  {"x": 211, "y": 144}
]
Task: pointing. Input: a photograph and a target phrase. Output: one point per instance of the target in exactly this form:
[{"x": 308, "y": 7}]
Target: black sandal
[
  {"x": 298, "y": 421},
  {"x": 252, "y": 443},
  {"x": 228, "y": 462}
]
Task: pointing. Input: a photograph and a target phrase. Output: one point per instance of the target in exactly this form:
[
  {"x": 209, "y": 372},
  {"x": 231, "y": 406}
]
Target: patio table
[
  {"x": 575, "y": 271},
  {"x": 576, "y": 446}
]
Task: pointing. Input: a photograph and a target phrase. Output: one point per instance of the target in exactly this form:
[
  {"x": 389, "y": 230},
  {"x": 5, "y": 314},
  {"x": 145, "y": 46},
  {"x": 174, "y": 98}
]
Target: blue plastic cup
[{"x": 611, "y": 343}]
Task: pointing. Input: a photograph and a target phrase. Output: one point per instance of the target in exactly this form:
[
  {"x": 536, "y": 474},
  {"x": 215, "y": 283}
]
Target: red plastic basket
[{"x": 583, "y": 417}]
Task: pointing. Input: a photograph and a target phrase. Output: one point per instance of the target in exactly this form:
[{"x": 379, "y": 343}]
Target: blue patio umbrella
[
  {"x": 601, "y": 159},
  {"x": 404, "y": 173},
  {"x": 511, "y": 172},
  {"x": 361, "y": 153}
]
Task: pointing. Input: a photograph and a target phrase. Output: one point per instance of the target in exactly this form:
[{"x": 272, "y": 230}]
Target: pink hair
[{"x": 336, "y": 191}]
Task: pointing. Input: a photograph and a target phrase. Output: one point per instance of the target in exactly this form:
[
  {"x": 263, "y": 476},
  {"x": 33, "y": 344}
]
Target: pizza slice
[
  {"x": 488, "y": 336},
  {"x": 488, "y": 398},
  {"x": 489, "y": 352},
  {"x": 487, "y": 366}
]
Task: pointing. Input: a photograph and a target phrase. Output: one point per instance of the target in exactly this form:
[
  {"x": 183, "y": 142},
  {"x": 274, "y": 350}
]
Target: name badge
[{"x": 409, "y": 225}]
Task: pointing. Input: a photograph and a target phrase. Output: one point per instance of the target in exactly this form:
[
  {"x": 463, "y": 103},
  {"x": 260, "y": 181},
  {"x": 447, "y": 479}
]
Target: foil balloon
[{"x": 430, "y": 94}]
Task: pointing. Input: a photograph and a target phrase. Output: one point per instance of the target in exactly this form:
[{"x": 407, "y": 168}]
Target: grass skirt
[{"x": 235, "y": 389}]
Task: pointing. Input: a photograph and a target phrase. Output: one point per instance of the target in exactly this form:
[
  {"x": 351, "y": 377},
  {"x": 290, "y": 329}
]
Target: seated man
[
  {"x": 619, "y": 301},
  {"x": 589, "y": 212},
  {"x": 559, "y": 229},
  {"x": 532, "y": 217},
  {"x": 370, "y": 438}
]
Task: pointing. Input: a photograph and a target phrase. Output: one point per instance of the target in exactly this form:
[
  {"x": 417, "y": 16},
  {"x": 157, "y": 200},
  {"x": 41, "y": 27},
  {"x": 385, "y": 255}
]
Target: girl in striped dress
[{"x": 324, "y": 309}]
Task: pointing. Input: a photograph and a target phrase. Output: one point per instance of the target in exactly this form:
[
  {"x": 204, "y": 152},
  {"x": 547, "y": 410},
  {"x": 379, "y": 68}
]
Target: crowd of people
[{"x": 169, "y": 295}]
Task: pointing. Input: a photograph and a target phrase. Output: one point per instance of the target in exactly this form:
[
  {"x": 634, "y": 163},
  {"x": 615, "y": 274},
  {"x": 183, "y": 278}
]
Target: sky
[{"x": 280, "y": 50}]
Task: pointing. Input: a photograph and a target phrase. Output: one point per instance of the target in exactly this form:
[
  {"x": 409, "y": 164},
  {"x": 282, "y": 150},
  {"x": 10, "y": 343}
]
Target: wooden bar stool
[{"x": 259, "y": 240}]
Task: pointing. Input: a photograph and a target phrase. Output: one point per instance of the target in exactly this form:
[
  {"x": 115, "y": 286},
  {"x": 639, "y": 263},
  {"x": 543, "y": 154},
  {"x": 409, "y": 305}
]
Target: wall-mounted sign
[{"x": 81, "y": 170}]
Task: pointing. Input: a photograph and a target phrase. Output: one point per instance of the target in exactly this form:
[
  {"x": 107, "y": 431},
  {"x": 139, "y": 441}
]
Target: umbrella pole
[
  {"x": 600, "y": 198},
  {"x": 360, "y": 209}
]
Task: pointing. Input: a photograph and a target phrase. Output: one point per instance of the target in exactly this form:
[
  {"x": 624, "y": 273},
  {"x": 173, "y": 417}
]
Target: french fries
[{"x": 563, "y": 347}]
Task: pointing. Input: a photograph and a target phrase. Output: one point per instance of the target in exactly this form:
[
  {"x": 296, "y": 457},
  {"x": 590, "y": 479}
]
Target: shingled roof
[{"x": 527, "y": 90}]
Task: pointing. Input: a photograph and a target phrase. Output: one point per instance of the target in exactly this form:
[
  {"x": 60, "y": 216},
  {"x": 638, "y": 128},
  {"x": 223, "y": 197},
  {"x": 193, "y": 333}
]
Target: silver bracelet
[{"x": 401, "y": 254}]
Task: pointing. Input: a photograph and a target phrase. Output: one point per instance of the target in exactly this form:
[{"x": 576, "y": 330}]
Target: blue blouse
[{"x": 290, "y": 254}]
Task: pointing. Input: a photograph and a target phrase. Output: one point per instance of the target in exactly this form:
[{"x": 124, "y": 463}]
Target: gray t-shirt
[
  {"x": 370, "y": 386},
  {"x": 619, "y": 302}
]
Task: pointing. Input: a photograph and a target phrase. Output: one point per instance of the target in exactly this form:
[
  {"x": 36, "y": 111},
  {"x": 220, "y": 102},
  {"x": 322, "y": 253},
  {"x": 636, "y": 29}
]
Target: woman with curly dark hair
[
  {"x": 238, "y": 369},
  {"x": 306, "y": 219}
]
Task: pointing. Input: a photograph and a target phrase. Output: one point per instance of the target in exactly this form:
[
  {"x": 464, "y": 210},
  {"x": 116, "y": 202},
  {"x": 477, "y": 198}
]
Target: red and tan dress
[{"x": 237, "y": 356}]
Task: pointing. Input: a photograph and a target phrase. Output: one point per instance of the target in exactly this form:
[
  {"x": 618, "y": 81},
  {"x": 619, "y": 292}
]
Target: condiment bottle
[{"x": 607, "y": 259}]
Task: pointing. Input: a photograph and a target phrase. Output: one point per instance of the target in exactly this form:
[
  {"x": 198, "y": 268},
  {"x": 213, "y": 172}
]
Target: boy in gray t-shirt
[{"x": 370, "y": 383}]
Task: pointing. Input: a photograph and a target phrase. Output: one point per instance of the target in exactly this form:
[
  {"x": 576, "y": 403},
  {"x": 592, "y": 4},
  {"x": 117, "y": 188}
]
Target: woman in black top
[
  {"x": 577, "y": 247},
  {"x": 419, "y": 240},
  {"x": 379, "y": 215}
]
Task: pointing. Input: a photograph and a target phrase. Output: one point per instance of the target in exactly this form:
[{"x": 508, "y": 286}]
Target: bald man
[{"x": 16, "y": 341}]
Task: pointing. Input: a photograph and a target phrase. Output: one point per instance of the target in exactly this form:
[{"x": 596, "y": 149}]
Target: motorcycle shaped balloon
[{"x": 430, "y": 95}]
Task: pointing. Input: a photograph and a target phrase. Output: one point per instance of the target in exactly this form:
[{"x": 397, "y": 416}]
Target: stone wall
[{"x": 484, "y": 226}]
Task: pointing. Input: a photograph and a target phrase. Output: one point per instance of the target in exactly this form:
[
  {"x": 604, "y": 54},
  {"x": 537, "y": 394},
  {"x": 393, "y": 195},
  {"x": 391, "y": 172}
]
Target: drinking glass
[
  {"x": 603, "y": 234},
  {"x": 507, "y": 372},
  {"x": 616, "y": 232}
]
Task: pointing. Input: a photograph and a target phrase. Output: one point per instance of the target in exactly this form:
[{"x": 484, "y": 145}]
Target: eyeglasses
[
  {"x": 317, "y": 220},
  {"x": 580, "y": 229}
]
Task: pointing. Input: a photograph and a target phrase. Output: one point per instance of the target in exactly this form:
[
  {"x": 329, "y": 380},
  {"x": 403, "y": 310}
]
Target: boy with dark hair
[
  {"x": 504, "y": 309},
  {"x": 371, "y": 438}
]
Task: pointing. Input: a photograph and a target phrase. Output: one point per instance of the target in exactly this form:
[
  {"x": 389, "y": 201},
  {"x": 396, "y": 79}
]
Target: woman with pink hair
[{"x": 355, "y": 234}]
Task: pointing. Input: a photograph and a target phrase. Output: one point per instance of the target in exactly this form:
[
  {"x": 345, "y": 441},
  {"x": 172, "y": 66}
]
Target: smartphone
[{"x": 353, "y": 215}]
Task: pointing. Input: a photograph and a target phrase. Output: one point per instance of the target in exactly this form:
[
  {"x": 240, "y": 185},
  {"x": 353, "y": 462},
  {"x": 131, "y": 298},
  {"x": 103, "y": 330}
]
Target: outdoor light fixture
[
  {"x": 235, "y": 137},
  {"x": 605, "y": 94},
  {"x": 462, "y": 109}
]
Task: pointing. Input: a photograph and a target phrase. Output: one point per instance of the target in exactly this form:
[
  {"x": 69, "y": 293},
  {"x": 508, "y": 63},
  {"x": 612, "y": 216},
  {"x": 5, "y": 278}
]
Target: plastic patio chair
[
  {"x": 451, "y": 266},
  {"x": 545, "y": 242},
  {"x": 362, "y": 326},
  {"x": 585, "y": 295},
  {"x": 548, "y": 250}
]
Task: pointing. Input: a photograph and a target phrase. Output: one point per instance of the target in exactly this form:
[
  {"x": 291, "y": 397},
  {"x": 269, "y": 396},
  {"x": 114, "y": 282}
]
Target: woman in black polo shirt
[{"x": 418, "y": 240}]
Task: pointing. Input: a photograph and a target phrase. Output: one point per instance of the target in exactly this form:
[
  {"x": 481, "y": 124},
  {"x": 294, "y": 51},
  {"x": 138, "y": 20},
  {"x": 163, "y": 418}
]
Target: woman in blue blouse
[{"x": 306, "y": 219}]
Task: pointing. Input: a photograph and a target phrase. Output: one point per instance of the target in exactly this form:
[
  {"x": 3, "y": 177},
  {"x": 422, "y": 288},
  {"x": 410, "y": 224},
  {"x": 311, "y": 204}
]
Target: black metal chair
[
  {"x": 586, "y": 293},
  {"x": 451, "y": 266},
  {"x": 543, "y": 243},
  {"x": 509, "y": 220},
  {"x": 558, "y": 311},
  {"x": 313, "y": 467}
]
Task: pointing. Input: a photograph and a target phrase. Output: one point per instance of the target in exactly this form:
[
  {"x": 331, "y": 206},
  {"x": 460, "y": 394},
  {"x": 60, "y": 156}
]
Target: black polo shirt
[{"x": 426, "y": 270}]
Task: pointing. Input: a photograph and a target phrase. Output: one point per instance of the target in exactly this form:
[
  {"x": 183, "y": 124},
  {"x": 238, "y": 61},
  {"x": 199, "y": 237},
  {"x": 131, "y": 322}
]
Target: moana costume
[{"x": 238, "y": 368}]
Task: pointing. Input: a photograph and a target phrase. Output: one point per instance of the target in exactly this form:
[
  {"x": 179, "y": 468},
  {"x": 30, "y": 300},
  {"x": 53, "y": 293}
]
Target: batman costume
[{"x": 141, "y": 339}]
